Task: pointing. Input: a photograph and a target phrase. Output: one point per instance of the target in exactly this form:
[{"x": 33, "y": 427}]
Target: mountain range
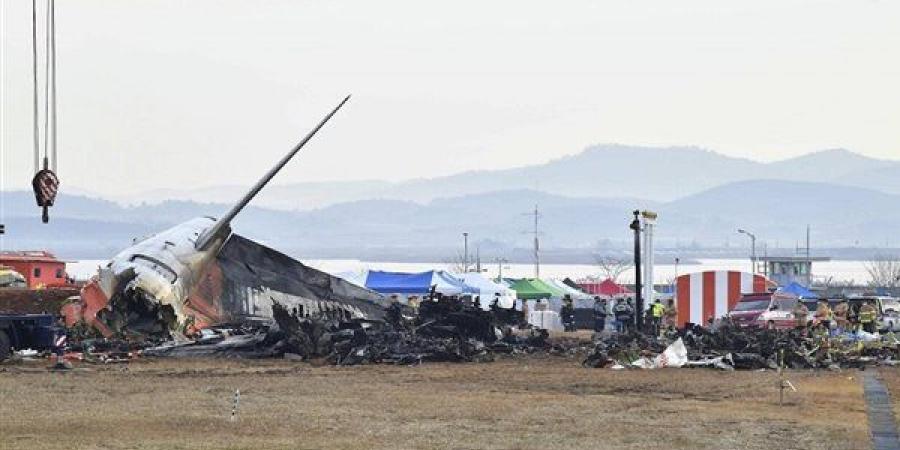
[
  {"x": 701, "y": 197},
  {"x": 609, "y": 171}
]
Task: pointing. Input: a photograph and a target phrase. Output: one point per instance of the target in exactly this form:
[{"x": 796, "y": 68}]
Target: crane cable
[
  {"x": 45, "y": 182},
  {"x": 37, "y": 136}
]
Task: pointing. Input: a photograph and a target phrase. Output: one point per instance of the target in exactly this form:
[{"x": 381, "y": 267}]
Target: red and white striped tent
[{"x": 704, "y": 295}]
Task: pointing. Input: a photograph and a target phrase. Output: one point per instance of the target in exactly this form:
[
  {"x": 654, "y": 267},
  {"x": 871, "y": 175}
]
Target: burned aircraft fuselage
[
  {"x": 164, "y": 268},
  {"x": 198, "y": 274},
  {"x": 164, "y": 283}
]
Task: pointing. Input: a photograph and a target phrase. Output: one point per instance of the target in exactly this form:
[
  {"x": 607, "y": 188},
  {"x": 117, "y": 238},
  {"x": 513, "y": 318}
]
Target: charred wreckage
[
  {"x": 205, "y": 291},
  {"x": 197, "y": 289}
]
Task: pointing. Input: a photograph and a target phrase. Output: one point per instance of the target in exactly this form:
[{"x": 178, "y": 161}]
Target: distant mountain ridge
[
  {"x": 612, "y": 171},
  {"x": 498, "y": 222}
]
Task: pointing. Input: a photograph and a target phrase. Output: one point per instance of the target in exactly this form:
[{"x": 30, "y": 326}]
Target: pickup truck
[{"x": 35, "y": 331}]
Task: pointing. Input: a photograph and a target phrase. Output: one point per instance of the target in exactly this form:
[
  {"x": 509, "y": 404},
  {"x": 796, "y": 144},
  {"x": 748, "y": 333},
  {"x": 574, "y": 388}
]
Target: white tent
[
  {"x": 356, "y": 277},
  {"x": 488, "y": 290},
  {"x": 574, "y": 293},
  {"x": 579, "y": 299}
]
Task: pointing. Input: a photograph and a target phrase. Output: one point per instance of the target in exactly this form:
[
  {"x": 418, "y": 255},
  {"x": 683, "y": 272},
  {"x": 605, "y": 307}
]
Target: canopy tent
[
  {"x": 415, "y": 283},
  {"x": 530, "y": 289},
  {"x": 487, "y": 290},
  {"x": 605, "y": 288},
  {"x": 580, "y": 300},
  {"x": 571, "y": 283},
  {"x": 798, "y": 290},
  {"x": 356, "y": 277},
  {"x": 575, "y": 294}
]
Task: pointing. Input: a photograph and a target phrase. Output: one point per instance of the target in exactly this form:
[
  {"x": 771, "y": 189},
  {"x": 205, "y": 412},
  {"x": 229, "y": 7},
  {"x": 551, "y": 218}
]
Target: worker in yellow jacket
[{"x": 867, "y": 317}]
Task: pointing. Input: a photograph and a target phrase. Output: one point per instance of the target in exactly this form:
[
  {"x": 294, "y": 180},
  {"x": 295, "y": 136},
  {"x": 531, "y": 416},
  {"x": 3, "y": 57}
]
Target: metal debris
[
  {"x": 728, "y": 347},
  {"x": 443, "y": 329}
]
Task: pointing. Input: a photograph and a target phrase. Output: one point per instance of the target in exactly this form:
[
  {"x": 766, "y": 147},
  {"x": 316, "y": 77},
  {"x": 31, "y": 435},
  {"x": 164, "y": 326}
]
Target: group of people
[
  {"x": 657, "y": 318},
  {"x": 842, "y": 317}
]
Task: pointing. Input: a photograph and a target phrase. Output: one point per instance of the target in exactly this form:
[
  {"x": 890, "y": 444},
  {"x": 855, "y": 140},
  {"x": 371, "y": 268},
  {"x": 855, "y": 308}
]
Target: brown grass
[{"x": 535, "y": 402}]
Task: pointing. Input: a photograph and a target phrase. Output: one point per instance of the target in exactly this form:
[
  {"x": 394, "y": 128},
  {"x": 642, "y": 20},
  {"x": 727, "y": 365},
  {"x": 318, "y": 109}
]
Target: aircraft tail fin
[{"x": 222, "y": 227}]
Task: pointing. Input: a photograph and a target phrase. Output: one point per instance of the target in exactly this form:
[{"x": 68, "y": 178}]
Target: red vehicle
[{"x": 766, "y": 310}]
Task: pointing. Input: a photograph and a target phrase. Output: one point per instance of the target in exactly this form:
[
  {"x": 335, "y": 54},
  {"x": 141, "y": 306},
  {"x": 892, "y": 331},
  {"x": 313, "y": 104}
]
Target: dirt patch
[{"x": 547, "y": 402}]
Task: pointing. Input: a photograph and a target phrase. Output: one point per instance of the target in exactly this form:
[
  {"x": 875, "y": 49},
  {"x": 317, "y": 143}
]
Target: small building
[
  {"x": 785, "y": 270},
  {"x": 40, "y": 268}
]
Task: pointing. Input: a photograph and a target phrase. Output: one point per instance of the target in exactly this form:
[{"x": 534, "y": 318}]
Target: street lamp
[
  {"x": 500, "y": 263},
  {"x": 752, "y": 247},
  {"x": 465, "y": 252}
]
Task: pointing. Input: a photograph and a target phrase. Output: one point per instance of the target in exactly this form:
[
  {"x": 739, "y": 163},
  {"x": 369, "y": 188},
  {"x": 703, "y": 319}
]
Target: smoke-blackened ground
[{"x": 531, "y": 402}]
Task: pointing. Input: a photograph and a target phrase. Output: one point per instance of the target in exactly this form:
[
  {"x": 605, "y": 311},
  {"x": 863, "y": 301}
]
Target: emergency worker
[
  {"x": 824, "y": 315},
  {"x": 867, "y": 315},
  {"x": 567, "y": 314},
  {"x": 600, "y": 313},
  {"x": 671, "y": 315},
  {"x": 801, "y": 313},
  {"x": 842, "y": 315},
  {"x": 624, "y": 314},
  {"x": 657, "y": 310}
]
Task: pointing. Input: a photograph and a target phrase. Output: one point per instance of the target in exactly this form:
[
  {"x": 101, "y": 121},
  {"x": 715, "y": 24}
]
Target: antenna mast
[{"x": 537, "y": 247}]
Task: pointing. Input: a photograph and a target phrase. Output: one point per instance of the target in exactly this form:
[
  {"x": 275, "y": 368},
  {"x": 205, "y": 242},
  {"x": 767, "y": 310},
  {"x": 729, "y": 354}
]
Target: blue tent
[
  {"x": 798, "y": 290},
  {"x": 416, "y": 283}
]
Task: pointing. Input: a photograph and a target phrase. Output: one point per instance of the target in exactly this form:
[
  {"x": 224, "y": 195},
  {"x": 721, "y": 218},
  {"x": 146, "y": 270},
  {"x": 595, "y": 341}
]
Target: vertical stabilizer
[{"x": 223, "y": 226}]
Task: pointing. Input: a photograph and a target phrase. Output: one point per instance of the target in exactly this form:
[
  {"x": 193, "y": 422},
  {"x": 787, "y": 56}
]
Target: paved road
[{"x": 882, "y": 425}]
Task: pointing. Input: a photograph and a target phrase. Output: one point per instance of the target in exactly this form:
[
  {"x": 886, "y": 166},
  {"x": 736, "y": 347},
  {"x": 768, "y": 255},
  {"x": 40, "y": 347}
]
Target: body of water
[{"x": 840, "y": 271}]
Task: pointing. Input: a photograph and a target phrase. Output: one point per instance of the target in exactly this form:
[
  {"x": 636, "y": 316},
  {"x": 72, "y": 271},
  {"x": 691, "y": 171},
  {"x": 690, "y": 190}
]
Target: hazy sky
[{"x": 157, "y": 94}]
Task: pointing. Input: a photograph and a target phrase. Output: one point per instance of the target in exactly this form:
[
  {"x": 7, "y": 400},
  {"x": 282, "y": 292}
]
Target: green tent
[
  {"x": 554, "y": 291},
  {"x": 533, "y": 289}
]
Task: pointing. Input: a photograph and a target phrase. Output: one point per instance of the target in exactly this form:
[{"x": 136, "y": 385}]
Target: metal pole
[
  {"x": 537, "y": 256},
  {"x": 753, "y": 253},
  {"x": 753, "y": 260},
  {"x": 648, "y": 226},
  {"x": 808, "y": 261},
  {"x": 465, "y": 252},
  {"x": 639, "y": 303}
]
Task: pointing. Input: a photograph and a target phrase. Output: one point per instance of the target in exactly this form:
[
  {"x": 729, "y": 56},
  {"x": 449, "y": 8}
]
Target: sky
[{"x": 175, "y": 94}]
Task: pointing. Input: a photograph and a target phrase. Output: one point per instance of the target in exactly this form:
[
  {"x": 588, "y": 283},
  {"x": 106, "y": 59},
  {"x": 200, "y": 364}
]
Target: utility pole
[
  {"x": 639, "y": 303},
  {"x": 649, "y": 225},
  {"x": 752, "y": 248},
  {"x": 808, "y": 261},
  {"x": 536, "y": 232},
  {"x": 500, "y": 262},
  {"x": 465, "y": 252},
  {"x": 478, "y": 259}
]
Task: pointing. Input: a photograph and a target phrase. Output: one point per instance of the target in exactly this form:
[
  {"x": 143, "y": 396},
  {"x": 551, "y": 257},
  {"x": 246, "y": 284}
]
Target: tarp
[
  {"x": 444, "y": 278},
  {"x": 798, "y": 290},
  {"x": 530, "y": 289},
  {"x": 416, "y": 283},
  {"x": 606, "y": 288},
  {"x": 356, "y": 277},
  {"x": 488, "y": 290}
]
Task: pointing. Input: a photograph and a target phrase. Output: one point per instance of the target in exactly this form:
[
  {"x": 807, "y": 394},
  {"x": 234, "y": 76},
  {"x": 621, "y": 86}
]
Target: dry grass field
[{"x": 529, "y": 403}]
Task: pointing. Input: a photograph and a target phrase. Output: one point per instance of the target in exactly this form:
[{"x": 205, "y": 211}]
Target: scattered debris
[
  {"x": 729, "y": 347},
  {"x": 444, "y": 329}
]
